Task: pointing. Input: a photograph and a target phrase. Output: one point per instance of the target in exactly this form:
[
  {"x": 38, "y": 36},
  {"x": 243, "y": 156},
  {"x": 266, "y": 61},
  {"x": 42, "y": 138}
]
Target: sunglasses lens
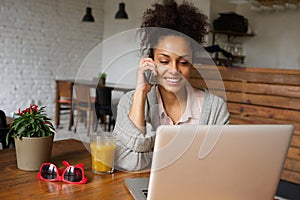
[
  {"x": 73, "y": 174},
  {"x": 49, "y": 172}
]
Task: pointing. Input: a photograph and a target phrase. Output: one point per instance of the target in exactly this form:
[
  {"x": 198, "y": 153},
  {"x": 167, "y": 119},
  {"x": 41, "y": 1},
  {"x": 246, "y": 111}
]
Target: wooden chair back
[
  {"x": 64, "y": 88},
  {"x": 84, "y": 103},
  {"x": 63, "y": 100},
  {"x": 83, "y": 97}
]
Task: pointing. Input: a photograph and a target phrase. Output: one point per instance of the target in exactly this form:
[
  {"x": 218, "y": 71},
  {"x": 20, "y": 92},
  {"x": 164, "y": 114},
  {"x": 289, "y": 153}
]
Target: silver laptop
[{"x": 215, "y": 162}]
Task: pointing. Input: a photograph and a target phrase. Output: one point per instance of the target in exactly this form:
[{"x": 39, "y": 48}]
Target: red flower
[{"x": 34, "y": 107}]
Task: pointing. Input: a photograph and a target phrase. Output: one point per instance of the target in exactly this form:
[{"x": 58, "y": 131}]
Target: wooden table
[
  {"x": 113, "y": 86},
  {"x": 93, "y": 85},
  {"x": 18, "y": 184}
]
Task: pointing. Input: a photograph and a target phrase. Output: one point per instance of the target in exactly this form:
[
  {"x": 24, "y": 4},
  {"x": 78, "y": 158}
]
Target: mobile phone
[{"x": 150, "y": 77}]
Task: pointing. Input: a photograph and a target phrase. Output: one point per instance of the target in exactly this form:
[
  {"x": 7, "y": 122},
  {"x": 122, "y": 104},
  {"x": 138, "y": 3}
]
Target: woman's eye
[
  {"x": 184, "y": 62},
  {"x": 164, "y": 62}
]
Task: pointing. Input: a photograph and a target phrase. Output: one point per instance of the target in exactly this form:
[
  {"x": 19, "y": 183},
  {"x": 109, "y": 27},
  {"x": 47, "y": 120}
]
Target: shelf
[
  {"x": 236, "y": 59},
  {"x": 238, "y": 56},
  {"x": 232, "y": 33}
]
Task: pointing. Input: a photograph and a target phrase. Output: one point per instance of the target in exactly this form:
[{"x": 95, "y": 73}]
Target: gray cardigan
[{"x": 134, "y": 148}]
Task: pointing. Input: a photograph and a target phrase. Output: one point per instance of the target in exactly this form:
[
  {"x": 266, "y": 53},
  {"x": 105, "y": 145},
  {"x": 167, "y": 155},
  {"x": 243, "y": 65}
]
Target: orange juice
[{"x": 102, "y": 156}]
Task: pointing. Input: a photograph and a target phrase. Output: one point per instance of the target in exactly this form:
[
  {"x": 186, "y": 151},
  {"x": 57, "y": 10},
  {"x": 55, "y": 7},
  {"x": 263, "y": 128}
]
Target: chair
[
  {"x": 103, "y": 107},
  {"x": 3, "y": 123},
  {"x": 3, "y": 131},
  {"x": 64, "y": 93},
  {"x": 84, "y": 104}
]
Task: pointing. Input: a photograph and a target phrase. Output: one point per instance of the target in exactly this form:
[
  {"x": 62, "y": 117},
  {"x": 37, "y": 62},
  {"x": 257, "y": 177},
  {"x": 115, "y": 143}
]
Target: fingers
[
  {"x": 148, "y": 64},
  {"x": 141, "y": 80}
]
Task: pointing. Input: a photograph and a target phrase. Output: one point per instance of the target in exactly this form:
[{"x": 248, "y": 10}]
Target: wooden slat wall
[{"x": 259, "y": 96}]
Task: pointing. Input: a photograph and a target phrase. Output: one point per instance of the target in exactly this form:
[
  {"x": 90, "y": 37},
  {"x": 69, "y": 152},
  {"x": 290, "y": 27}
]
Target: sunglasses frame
[{"x": 61, "y": 173}]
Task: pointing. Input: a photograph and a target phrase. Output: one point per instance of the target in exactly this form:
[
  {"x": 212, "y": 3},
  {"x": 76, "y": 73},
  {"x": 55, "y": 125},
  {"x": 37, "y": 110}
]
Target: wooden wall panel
[{"x": 258, "y": 96}]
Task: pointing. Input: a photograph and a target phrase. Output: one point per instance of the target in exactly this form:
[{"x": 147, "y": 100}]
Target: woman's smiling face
[{"x": 173, "y": 56}]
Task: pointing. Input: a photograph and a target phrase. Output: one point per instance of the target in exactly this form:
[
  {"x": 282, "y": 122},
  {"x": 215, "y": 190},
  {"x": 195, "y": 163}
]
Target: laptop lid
[{"x": 218, "y": 162}]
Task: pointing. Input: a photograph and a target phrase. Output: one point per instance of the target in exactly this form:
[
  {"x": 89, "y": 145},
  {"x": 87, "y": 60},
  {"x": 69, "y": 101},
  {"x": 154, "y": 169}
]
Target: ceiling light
[
  {"x": 88, "y": 17},
  {"x": 121, "y": 14}
]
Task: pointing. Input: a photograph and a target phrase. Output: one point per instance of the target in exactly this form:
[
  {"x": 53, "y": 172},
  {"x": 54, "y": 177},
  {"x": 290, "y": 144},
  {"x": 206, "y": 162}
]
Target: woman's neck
[{"x": 174, "y": 103}]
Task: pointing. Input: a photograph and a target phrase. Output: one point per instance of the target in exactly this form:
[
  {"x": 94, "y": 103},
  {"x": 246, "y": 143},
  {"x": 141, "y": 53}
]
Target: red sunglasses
[{"x": 72, "y": 174}]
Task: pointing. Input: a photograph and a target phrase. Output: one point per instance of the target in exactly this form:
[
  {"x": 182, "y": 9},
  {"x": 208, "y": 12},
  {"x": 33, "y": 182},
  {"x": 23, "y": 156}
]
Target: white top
[{"x": 192, "y": 111}]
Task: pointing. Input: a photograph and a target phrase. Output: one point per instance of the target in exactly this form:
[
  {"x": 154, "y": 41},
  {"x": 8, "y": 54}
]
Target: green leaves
[{"x": 32, "y": 122}]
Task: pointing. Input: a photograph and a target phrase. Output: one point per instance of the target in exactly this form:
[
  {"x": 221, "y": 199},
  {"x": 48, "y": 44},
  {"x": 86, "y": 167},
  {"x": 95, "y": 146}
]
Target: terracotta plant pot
[{"x": 32, "y": 152}]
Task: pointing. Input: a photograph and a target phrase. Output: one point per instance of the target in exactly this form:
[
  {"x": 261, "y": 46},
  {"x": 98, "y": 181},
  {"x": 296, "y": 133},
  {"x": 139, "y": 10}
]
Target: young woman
[{"x": 166, "y": 33}]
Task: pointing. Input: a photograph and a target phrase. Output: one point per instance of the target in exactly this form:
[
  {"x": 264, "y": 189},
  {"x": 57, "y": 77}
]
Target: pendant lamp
[
  {"x": 88, "y": 17},
  {"x": 121, "y": 14}
]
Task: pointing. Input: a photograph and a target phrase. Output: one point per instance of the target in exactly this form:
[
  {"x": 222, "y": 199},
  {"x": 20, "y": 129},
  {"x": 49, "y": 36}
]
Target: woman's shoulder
[
  {"x": 208, "y": 96},
  {"x": 126, "y": 98},
  {"x": 129, "y": 93}
]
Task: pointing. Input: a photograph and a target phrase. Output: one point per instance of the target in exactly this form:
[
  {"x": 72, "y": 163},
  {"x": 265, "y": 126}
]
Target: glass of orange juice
[{"x": 103, "y": 148}]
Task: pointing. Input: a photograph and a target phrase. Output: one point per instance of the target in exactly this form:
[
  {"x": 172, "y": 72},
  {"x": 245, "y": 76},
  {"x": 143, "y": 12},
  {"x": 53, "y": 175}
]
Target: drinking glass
[{"x": 103, "y": 148}]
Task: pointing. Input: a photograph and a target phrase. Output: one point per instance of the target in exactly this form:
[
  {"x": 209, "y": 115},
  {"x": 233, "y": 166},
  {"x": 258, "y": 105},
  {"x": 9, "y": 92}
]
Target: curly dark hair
[{"x": 184, "y": 19}]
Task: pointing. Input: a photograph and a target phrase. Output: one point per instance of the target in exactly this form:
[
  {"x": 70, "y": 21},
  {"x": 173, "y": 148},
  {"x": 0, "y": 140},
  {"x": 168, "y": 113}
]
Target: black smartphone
[{"x": 150, "y": 77}]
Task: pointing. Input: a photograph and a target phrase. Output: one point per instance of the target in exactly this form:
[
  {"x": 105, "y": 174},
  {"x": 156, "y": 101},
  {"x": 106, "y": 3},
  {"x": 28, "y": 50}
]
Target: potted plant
[
  {"x": 33, "y": 134},
  {"x": 102, "y": 78}
]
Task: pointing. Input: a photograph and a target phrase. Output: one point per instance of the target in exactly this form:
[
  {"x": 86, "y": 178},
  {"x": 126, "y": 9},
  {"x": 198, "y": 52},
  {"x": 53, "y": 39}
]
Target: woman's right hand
[
  {"x": 137, "y": 110},
  {"x": 141, "y": 82}
]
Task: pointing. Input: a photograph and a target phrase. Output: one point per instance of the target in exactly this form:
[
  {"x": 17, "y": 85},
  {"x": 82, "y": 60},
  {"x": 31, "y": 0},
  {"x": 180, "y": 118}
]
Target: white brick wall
[{"x": 40, "y": 41}]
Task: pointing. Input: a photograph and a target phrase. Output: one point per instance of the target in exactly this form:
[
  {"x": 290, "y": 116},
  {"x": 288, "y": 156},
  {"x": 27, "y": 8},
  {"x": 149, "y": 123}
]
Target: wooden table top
[
  {"x": 94, "y": 84},
  {"x": 18, "y": 184}
]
